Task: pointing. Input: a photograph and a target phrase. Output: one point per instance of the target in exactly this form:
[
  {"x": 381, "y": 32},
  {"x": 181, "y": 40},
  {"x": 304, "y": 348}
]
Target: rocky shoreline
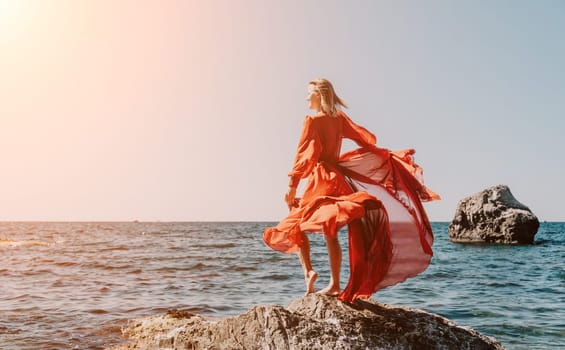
[{"x": 311, "y": 322}]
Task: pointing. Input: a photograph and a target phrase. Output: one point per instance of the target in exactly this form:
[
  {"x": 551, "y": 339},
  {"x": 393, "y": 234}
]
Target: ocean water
[{"x": 77, "y": 291}]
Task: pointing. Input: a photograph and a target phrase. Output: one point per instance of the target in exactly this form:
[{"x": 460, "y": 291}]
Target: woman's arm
[
  {"x": 307, "y": 154},
  {"x": 357, "y": 133}
]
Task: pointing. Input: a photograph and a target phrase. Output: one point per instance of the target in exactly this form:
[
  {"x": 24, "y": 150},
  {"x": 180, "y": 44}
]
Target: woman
[{"x": 374, "y": 191}]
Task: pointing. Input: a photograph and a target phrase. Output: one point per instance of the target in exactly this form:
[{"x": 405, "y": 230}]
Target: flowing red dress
[{"x": 375, "y": 191}]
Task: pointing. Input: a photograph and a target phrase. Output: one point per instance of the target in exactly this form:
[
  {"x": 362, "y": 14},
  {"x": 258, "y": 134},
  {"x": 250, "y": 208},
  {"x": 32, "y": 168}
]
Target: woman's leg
[
  {"x": 310, "y": 275},
  {"x": 334, "y": 256}
]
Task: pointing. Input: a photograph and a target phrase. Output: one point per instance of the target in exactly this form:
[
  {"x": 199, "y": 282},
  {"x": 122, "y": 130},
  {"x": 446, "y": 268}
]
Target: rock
[
  {"x": 493, "y": 216},
  {"x": 311, "y": 322}
]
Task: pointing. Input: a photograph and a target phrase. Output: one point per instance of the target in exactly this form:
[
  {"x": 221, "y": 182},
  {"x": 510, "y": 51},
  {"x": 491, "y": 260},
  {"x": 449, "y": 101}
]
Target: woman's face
[{"x": 314, "y": 99}]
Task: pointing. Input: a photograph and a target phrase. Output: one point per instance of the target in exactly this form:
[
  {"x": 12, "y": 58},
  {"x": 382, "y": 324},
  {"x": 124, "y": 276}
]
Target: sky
[{"x": 191, "y": 110}]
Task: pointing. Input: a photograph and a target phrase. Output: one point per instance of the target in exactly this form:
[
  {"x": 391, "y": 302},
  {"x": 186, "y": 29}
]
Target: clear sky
[{"x": 191, "y": 110}]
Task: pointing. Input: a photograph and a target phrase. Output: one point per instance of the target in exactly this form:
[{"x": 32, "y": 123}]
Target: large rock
[
  {"x": 311, "y": 322},
  {"x": 493, "y": 216}
]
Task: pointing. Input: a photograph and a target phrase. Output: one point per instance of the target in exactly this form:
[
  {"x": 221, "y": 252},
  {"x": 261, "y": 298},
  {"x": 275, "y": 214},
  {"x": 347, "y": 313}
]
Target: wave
[
  {"x": 11, "y": 243},
  {"x": 112, "y": 249},
  {"x": 18, "y": 297},
  {"x": 11, "y": 330},
  {"x": 497, "y": 284},
  {"x": 101, "y": 266},
  {"x": 66, "y": 263},
  {"x": 275, "y": 277},
  {"x": 215, "y": 245},
  {"x": 206, "y": 275},
  {"x": 197, "y": 266},
  {"x": 58, "y": 283},
  {"x": 97, "y": 311},
  {"x": 241, "y": 268},
  {"x": 31, "y": 272}
]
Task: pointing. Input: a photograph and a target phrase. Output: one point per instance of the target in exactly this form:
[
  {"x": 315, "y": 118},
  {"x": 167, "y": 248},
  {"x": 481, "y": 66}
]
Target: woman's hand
[{"x": 290, "y": 198}]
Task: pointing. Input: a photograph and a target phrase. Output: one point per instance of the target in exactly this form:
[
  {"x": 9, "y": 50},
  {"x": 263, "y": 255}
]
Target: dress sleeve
[
  {"x": 307, "y": 154},
  {"x": 357, "y": 133}
]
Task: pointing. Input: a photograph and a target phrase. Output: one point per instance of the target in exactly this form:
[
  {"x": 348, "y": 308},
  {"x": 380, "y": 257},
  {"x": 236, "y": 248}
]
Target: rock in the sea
[
  {"x": 311, "y": 322},
  {"x": 493, "y": 216}
]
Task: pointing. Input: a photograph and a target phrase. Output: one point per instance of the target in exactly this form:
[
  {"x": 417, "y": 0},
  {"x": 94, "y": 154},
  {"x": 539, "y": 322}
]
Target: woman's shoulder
[
  {"x": 341, "y": 114},
  {"x": 344, "y": 117},
  {"x": 315, "y": 116},
  {"x": 314, "y": 121},
  {"x": 322, "y": 115}
]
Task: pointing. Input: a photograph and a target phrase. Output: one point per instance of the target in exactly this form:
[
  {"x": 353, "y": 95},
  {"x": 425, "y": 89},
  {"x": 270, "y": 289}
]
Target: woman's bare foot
[
  {"x": 330, "y": 290},
  {"x": 310, "y": 278}
]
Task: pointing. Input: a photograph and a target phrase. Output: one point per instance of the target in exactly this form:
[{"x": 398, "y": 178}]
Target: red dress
[{"x": 376, "y": 192}]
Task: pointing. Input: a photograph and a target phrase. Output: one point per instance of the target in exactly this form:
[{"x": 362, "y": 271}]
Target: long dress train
[{"x": 375, "y": 191}]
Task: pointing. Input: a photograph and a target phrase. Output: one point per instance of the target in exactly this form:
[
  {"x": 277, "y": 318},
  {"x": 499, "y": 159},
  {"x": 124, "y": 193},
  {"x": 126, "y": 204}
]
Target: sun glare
[
  {"x": 10, "y": 11},
  {"x": 14, "y": 17}
]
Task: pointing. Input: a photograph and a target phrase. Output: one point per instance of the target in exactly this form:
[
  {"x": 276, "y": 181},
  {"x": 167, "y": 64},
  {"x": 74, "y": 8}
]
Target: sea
[{"x": 80, "y": 283}]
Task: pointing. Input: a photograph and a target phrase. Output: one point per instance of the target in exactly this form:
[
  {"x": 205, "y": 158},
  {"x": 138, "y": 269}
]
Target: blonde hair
[{"x": 328, "y": 97}]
